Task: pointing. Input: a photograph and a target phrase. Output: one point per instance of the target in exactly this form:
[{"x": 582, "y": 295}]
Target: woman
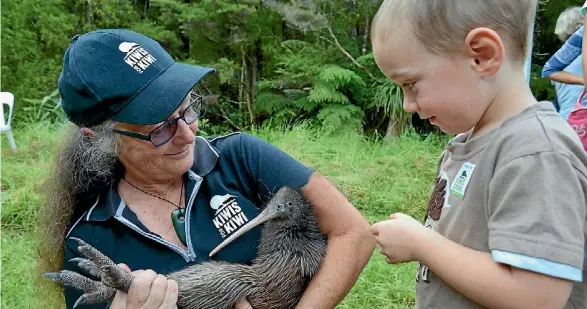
[
  {"x": 135, "y": 182},
  {"x": 564, "y": 68}
]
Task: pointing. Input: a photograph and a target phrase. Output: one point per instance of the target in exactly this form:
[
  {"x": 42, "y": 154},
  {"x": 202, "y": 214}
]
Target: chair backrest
[{"x": 8, "y": 99}]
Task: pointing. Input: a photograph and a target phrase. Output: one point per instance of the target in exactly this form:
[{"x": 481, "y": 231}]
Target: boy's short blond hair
[{"x": 442, "y": 25}]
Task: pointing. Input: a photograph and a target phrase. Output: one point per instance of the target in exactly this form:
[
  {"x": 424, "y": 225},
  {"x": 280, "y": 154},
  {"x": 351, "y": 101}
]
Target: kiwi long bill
[{"x": 263, "y": 217}]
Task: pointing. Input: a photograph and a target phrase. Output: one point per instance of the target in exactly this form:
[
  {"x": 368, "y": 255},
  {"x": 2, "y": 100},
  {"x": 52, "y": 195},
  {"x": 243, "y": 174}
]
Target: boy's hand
[{"x": 398, "y": 237}]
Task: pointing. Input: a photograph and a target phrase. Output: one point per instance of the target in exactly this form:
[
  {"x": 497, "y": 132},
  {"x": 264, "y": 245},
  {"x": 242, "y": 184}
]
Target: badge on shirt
[{"x": 459, "y": 185}]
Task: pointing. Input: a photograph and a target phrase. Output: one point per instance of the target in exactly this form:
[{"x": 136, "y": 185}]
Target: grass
[{"x": 377, "y": 178}]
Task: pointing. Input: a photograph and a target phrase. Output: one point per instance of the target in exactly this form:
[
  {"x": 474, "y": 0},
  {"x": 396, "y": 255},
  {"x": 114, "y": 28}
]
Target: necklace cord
[{"x": 161, "y": 198}]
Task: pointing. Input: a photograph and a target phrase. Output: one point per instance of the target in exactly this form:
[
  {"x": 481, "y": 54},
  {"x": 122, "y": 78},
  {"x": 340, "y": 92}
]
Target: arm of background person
[
  {"x": 571, "y": 49},
  {"x": 566, "y": 78},
  {"x": 350, "y": 245}
]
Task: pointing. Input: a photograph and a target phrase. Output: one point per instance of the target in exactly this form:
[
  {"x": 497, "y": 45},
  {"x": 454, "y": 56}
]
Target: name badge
[{"x": 459, "y": 185}]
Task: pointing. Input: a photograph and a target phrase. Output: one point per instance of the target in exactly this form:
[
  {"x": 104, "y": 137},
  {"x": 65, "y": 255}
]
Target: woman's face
[{"x": 166, "y": 162}]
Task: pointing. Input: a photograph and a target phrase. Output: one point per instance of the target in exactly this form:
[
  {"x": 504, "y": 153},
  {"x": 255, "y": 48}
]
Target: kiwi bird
[{"x": 290, "y": 252}]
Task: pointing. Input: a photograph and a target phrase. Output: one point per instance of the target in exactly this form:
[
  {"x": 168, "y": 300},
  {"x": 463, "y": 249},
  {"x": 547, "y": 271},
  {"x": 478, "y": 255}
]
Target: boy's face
[{"x": 444, "y": 90}]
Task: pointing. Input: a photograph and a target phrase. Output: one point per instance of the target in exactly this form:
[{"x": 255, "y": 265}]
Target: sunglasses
[{"x": 164, "y": 132}]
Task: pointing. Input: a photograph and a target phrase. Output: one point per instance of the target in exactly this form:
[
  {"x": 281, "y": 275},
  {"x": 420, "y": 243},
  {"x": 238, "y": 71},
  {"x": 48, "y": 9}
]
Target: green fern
[
  {"x": 271, "y": 103},
  {"x": 337, "y": 117},
  {"x": 295, "y": 94},
  {"x": 325, "y": 93},
  {"x": 339, "y": 77},
  {"x": 306, "y": 105}
]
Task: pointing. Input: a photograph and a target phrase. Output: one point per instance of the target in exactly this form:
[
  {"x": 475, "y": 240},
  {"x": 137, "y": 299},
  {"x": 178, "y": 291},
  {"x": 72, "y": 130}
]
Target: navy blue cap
[{"x": 124, "y": 76}]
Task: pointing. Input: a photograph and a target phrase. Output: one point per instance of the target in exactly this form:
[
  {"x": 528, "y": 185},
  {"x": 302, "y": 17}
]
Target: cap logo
[{"x": 136, "y": 57}]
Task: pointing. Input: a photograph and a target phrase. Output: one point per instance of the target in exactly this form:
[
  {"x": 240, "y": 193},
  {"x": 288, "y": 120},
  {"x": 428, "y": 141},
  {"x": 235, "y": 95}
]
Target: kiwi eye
[
  {"x": 289, "y": 204},
  {"x": 280, "y": 206}
]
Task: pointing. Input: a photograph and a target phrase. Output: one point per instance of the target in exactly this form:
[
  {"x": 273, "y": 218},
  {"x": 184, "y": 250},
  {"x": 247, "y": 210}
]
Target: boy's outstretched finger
[
  {"x": 375, "y": 228},
  {"x": 170, "y": 299}
]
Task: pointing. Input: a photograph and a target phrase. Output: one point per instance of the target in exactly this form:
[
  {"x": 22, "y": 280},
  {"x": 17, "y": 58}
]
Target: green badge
[{"x": 459, "y": 184}]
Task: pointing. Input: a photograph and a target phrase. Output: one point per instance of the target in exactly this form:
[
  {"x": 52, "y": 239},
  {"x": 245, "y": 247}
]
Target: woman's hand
[{"x": 148, "y": 290}]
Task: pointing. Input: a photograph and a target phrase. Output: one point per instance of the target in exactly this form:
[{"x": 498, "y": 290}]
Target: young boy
[{"x": 506, "y": 222}]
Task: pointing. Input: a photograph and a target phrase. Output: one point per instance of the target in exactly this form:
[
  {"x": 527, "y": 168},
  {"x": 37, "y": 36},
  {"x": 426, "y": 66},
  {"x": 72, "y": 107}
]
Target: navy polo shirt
[{"x": 231, "y": 179}]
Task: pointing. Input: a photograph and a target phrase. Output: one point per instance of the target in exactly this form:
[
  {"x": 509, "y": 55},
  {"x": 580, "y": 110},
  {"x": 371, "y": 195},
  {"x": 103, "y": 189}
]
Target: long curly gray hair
[{"x": 85, "y": 166}]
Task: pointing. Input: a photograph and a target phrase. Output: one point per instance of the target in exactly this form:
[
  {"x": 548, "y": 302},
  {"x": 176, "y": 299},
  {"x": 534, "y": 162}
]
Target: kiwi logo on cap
[{"x": 136, "y": 57}]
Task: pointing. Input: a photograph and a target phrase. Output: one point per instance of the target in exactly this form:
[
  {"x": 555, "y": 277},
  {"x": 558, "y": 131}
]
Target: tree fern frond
[
  {"x": 367, "y": 60},
  {"x": 295, "y": 94},
  {"x": 336, "y": 116},
  {"x": 339, "y": 77},
  {"x": 325, "y": 93},
  {"x": 306, "y": 105},
  {"x": 271, "y": 102}
]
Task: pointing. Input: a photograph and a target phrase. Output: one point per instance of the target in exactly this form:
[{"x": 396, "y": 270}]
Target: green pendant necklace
[{"x": 177, "y": 215}]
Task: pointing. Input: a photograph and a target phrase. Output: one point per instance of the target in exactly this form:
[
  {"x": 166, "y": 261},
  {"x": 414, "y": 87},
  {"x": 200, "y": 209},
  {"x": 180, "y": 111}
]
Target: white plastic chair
[{"x": 8, "y": 99}]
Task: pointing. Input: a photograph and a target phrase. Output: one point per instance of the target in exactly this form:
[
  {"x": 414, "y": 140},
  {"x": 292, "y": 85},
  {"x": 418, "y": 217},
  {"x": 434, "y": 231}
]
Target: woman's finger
[
  {"x": 140, "y": 288},
  {"x": 157, "y": 293},
  {"x": 119, "y": 301},
  {"x": 123, "y": 266},
  {"x": 242, "y": 304},
  {"x": 170, "y": 300}
]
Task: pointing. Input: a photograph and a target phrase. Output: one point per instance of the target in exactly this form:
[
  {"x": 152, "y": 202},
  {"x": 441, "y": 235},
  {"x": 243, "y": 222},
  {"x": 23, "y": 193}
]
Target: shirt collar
[{"x": 205, "y": 159}]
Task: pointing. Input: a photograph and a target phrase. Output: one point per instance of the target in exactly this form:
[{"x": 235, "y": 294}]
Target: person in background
[{"x": 565, "y": 67}]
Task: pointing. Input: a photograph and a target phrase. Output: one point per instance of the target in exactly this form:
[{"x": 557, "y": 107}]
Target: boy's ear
[{"x": 485, "y": 49}]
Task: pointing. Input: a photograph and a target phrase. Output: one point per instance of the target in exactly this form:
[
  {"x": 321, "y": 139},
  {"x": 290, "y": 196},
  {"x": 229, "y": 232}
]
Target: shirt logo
[
  {"x": 436, "y": 205},
  {"x": 228, "y": 215},
  {"x": 136, "y": 57}
]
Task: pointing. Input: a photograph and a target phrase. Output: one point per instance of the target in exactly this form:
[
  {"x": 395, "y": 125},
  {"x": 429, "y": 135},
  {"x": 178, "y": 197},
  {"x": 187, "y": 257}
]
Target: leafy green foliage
[
  {"x": 46, "y": 109},
  {"x": 329, "y": 97},
  {"x": 323, "y": 93},
  {"x": 339, "y": 77},
  {"x": 272, "y": 103},
  {"x": 335, "y": 117},
  {"x": 311, "y": 53}
]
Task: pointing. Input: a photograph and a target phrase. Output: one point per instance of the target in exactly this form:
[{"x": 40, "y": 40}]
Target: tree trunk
[
  {"x": 393, "y": 130},
  {"x": 241, "y": 86},
  {"x": 256, "y": 69},
  {"x": 247, "y": 85},
  {"x": 145, "y": 9},
  {"x": 89, "y": 12},
  {"x": 366, "y": 35}
]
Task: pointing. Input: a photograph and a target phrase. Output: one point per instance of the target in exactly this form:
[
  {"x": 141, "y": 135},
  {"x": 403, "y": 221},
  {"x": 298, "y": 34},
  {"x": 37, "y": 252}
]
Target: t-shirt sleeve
[
  {"x": 570, "y": 50},
  {"x": 272, "y": 168},
  {"x": 538, "y": 265},
  {"x": 584, "y": 8},
  {"x": 536, "y": 211}
]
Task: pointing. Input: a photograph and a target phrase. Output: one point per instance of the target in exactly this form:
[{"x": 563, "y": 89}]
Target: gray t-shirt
[{"x": 519, "y": 192}]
